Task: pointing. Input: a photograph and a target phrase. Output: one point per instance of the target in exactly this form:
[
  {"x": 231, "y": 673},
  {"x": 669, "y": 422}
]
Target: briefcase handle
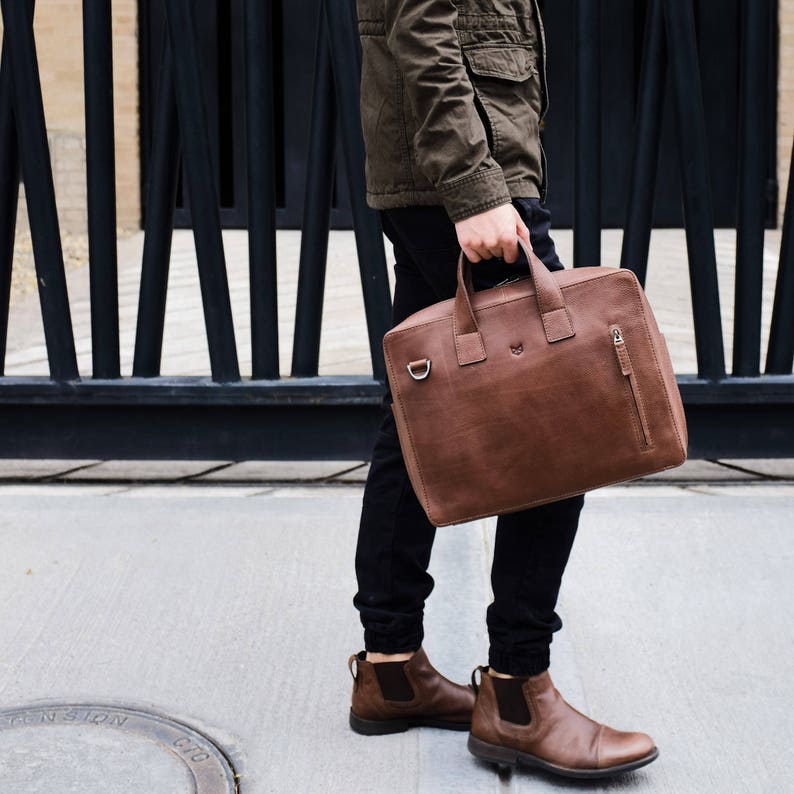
[{"x": 554, "y": 314}]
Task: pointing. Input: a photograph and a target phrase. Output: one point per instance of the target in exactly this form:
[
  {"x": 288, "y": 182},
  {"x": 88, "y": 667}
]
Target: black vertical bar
[
  {"x": 647, "y": 136},
  {"x": 751, "y": 190},
  {"x": 587, "y": 134},
  {"x": 316, "y": 212},
  {"x": 205, "y": 24},
  {"x": 295, "y": 48},
  {"x": 101, "y": 184},
  {"x": 346, "y": 62},
  {"x": 39, "y": 190},
  {"x": 203, "y": 193},
  {"x": 261, "y": 156},
  {"x": 780, "y": 352},
  {"x": 162, "y": 179},
  {"x": 9, "y": 197},
  {"x": 771, "y": 112},
  {"x": 237, "y": 142},
  {"x": 699, "y": 219}
]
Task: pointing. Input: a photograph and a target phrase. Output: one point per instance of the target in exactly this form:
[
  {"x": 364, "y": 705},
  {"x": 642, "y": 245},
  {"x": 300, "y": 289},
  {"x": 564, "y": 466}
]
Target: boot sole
[
  {"x": 505, "y": 756},
  {"x": 383, "y": 727}
]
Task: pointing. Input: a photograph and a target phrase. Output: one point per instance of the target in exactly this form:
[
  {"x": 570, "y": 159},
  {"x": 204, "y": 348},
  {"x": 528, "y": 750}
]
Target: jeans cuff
[
  {"x": 375, "y": 642},
  {"x": 512, "y": 664}
]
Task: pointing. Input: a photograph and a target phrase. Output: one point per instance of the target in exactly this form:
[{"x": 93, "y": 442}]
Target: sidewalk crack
[{"x": 745, "y": 470}]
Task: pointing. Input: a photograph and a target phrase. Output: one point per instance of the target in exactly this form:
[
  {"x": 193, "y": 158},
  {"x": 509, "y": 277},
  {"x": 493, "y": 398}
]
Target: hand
[{"x": 492, "y": 233}]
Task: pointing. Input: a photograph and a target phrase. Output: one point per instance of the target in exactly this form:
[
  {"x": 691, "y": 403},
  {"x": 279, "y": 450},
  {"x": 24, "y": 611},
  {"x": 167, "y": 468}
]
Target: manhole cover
[{"x": 95, "y": 747}]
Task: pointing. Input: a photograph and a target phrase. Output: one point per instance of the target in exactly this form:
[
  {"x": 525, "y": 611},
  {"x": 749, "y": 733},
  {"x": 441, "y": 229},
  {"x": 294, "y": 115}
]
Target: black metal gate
[
  {"x": 220, "y": 24},
  {"x": 263, "y": 414},
  {"x": 718, "y": 26},
  {"x": 220, "y": 30}
]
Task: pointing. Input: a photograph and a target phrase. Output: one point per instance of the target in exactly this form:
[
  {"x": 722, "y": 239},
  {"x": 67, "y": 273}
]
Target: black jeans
[{"x": 395, "y": 536}]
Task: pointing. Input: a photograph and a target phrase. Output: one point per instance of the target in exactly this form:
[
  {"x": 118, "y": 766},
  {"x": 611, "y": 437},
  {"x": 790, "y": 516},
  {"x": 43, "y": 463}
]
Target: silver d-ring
[{"x": 419, "y": 375}]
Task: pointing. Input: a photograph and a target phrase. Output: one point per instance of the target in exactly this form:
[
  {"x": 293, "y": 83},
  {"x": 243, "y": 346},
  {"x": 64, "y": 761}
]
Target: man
[{"x": 452, "y": 95}]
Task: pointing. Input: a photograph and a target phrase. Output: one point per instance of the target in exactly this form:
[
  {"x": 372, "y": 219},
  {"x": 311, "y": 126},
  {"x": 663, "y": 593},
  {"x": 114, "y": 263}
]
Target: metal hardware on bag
[
  {"x": 508, "y": 280},
  {"x": 627, "y": 369},
  {"x": 416, "y": 375}
]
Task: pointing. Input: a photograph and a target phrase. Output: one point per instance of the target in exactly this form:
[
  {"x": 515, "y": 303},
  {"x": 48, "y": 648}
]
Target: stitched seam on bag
[
  {"x": 543, "y": 311},
  {"x": 627, "y": 395},
  {"x": 635, "y": 397},
  {"x": 539, "y": 301},
  {"x": 498, "y": 302},
  {"x": 636, "y": 283},
  {"x": 457, "y": 347},
  {"x": 455, "y": 333},
  {"x": 493, "y": 305},
  {"x": 410, "y": 437},
  {"x": 567, "y": 315},
  {"x": 514, "y": 508},
  {"x": 636, "y": 394}
]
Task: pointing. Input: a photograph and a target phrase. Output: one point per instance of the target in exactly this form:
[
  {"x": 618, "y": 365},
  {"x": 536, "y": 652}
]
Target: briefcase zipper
[{"x": 624, "y": 360}]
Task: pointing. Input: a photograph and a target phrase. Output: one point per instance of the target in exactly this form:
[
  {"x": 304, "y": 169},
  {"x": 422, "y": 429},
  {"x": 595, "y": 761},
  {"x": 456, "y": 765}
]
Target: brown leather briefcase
[{"x": 532, "y": 391}]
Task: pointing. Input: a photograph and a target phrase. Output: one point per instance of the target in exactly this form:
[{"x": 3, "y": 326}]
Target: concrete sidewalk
[
  {"x": 344, "y": 348},
  {"x": 229, "y": 472},
  {"x": 228, "y": 608}
]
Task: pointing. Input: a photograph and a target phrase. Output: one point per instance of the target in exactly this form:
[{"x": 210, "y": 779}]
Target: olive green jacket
[{"x": 452, "y": 95}]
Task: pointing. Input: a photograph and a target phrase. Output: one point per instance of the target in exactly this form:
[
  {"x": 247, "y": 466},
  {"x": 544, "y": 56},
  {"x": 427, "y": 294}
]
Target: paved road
[{"x": 229, "y": 607}]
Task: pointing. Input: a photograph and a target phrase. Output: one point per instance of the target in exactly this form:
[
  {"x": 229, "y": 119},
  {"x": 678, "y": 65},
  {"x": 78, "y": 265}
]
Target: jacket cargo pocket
[
  {"x": 515, "y": 64},
  {"x": 507, "y": 85}
]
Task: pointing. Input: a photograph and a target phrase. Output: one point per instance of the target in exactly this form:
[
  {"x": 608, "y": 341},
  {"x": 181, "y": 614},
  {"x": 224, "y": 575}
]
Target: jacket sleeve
[{"x": 450, "y": 142}]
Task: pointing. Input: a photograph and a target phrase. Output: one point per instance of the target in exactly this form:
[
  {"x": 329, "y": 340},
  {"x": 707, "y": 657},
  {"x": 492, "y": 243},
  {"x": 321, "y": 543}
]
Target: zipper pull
[{"x": 622, "y": 352}]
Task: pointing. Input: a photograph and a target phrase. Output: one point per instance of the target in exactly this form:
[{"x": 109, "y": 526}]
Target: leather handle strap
[{"x": 556, "y": 319}]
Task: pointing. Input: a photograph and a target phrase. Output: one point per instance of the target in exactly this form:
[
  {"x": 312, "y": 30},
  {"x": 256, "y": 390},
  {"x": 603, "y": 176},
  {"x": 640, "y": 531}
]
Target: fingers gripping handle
[{"x": 557, "y": 323}]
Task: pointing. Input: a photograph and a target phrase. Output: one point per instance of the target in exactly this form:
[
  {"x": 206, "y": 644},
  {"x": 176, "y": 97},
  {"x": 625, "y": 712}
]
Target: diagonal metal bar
[
  {"x": 101, "y": 184},
  {"x": 39, "y": 189},
  {"x": 159, "y": 223},
  {"x": 587, "y": 134},
  {"x": 751, "y": 190},
  {"x": 9, "y": 197},
  {"x": 346, "y": 61},
  {"x": 203, "y": 192},
  {"x": 698, "y": 215},
  {"x": 261, "y": 157},
  {"x": 316, "y": 212},
  {"x": 647, "y": 137},
  {"x": 780, "y": 352}
]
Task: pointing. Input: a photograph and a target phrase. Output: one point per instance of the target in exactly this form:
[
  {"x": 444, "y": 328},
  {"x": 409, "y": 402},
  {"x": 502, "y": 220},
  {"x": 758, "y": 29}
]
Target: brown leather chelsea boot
[
  {"x": 390, "y": 697},
  {"x": 526, "y": 721}
]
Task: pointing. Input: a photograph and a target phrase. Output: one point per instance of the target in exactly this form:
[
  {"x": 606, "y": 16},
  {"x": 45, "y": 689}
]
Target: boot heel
[
  {"x": 492, "y": 752},
  {"x": 376, "y": 727}
]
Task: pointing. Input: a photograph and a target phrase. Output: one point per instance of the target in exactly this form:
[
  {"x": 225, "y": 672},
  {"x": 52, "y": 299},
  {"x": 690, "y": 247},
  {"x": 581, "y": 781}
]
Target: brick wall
[
  {"x": 785, "y": 97},
  {"x": 58, "y": 29}
]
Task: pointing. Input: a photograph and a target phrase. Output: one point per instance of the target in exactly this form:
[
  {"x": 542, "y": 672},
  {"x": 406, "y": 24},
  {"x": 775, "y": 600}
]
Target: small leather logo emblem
[{"x": 517, "y": 350}]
